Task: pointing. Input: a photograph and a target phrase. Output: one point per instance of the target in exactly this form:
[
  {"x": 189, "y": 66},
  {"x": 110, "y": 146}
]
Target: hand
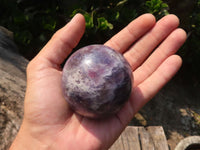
[{"x": 49, "y": 123}]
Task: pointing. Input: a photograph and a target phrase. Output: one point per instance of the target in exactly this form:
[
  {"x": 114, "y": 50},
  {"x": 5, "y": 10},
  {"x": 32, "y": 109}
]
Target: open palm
[{"x": 49, "y": 123}]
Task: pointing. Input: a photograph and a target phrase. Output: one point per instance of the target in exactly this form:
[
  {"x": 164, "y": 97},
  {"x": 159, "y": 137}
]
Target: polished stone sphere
[{"x": 97, "y": 81}]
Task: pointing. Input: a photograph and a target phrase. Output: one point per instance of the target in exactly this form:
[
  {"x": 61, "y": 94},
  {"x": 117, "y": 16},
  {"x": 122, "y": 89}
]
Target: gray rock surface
[{"x": 12, "y": 89}]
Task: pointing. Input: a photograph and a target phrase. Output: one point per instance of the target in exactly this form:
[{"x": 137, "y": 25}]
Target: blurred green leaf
[
  {"x": 157, "y": 7},
  {"x": 121, "y": 2},
  {"x": 50, "y": 27},
  {"x": 117, "y": 15},
  {"x": 103, "y": 24},
  {"x": 89, "y": 20}
]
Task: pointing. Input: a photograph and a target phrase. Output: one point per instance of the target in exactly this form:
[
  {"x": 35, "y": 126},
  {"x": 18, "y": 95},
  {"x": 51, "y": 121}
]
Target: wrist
[{"x": 24, "y": 141}]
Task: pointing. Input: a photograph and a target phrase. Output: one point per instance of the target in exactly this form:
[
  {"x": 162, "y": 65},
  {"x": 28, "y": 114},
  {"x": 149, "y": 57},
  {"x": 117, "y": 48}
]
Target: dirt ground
[{"x": 176, "y": 107}]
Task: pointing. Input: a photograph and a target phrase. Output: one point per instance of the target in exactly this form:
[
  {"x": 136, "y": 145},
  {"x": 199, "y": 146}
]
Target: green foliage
[
  {"x": 157, "y": 7},
  {"x": 96, "y": 17},
  {"x": 103, "y": 24},
  {"x": 34, "y": 22},
  {"x": 104, "y": 18}
]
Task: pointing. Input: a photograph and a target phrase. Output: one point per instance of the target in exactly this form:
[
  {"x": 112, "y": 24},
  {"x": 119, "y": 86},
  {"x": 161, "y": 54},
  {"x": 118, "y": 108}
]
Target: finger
[
  {"x": 141, "y": 50},
  {"x": 63, "y": 41},
  {"x": 146, "y": 90},
  {"x": 158, "y": 79},
  {"x": 132, "y": 32},
  {"x": 168, "y": 47}
]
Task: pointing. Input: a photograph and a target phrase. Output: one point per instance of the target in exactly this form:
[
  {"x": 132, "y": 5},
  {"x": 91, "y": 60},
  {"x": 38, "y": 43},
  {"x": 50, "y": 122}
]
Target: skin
[{"x": 49, "y": 123}]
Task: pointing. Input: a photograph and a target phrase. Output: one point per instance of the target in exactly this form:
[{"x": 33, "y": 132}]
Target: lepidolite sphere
[{"x": 97, "y": 81}]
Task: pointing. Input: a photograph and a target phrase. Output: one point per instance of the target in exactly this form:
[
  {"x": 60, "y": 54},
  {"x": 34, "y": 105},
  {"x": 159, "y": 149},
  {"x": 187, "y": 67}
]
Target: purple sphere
[{"x": 97, "y": 81}]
